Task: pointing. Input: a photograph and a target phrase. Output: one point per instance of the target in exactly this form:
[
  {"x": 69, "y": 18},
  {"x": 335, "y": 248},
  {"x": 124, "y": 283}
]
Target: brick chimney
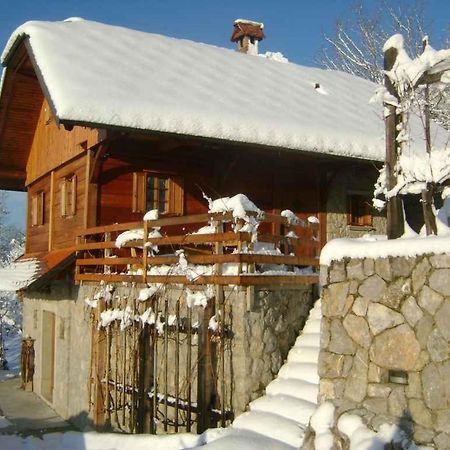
[{"x": 247, "y": 34}]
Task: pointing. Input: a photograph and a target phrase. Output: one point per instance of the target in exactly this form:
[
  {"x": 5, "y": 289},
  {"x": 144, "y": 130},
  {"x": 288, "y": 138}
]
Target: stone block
[
  {"x": 353, "y": 287},
  {"x": 397, "y": 403},
  {"x": 419, "y": 274},
  {"x": 376, "y": 405},
  {"x": 375, "y": 373},
  {"x": 443, "y": 420},
  {"x": 414, "y": 387},
  {"x": 372, "y": 288},
  {"x": 330, "y": 365},
  {"x": 430, "y": 300},
  {"x": 337, "y": 272},
  {"x": 433, "y": 387},
  {"x": 420, "y": 413},
  {"x": 335, "y": 300},
  {"x": 325, "y": 333},
  {"x": 360, "y": 306},
  {"x": 439, "y": 281},
  {"x": 395, "y": 293},
  {"x": 437, "y": 346},
  {"x": 358, "y": 330},
  {"x": 383, "y": 268},
  {"x": 442, "y": 441},
  {"x": 411, "y": 311},
  {"x": 422, "y": 435},
  {"x": 356, "y": 382},
  {"x": 355, "y": 270},
  {"x": 442, "y": 319},
  {"x": 323, "y": 276},
  {"x": 381, "y": 318},
  {"x": 423, "y": 329},
  {"x": 440, "y": 261},
  {"x": 378, "y": 390},
  {"x": 396, "y": 348},
  {"x": 340, "y": 341},
  {"x": 422, "y": 361},
  {"x": 402, "y": 267},
  {"x": 369, "y": 267}
]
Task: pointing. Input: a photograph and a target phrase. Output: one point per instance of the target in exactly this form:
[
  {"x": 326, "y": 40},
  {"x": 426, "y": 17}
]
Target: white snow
[
  {"x": 153, "y": 82},
  {"x": 19, "y": 274},
  {"x": 380, "y": 247}
]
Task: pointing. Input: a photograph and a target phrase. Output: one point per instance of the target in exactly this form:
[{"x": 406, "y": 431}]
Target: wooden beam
[{"x": 51, "y": 223}]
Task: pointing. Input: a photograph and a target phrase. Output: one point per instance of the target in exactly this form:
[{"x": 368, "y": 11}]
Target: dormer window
[{"x": 68, "y": 190}]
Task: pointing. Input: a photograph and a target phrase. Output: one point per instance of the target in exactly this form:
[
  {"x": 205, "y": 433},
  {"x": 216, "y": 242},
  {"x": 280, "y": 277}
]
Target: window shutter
[
  {"x": 176, "y": 195},
  {"x": 139, "y": 187}
]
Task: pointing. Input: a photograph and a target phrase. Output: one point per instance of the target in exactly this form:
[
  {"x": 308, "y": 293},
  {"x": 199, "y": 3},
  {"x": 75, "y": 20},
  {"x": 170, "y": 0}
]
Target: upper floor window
[
  {"x": 38, "y": 209},
  {"x": 359, "y": 210},
  {"x": 68, "y": 189},
  {"x": 155, "y": 191}
]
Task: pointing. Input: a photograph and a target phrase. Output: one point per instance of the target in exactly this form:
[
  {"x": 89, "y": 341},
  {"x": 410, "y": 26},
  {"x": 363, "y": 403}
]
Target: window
[
  {"x": 68, "y": 189},
  {"x": 359, "y": 210},
  {"x": 151, "y": 191},
  {"x": 37, "y": 209}
]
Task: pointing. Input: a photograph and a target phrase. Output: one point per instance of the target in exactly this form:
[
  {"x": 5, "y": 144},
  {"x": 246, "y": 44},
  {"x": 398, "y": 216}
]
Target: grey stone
[
  {"x": 397, "y": 402},
  {"x": 395, "y": 293},
  {"x": 419, "y": 274},
  {"x": 325, "y": 333},
  {"x": 358, "y": 330},
  {"x": 373, "y": 288},
  {"x": 340, "y": 341},
  {"x": 330, "y": 389},
  {"x": 378, "y": 390},
  {"x": 369, "y": 267},
  {"x": 422, "y": 361},
  {"x": 323, "y": 275},
  {"x": 348, "y": 362},
  {"x": 423, "y": 329},
  {"x": 444, "y": 371},
  {"x": 423, "y": 435},
  {"x": 375, "y": 373},
  {"x": 337, "y": 272},
  {"x": 396, "y": 348},
  {"x": 440, "y": 261},
  {"x": 381, "y": 318},
  {"x": 430, "y": 300},
  {"x": 383, "y": 268},
  {"x": 336, "y": 301},
  {"x": 330, "y": 365},
  {"x": 420, "y": 413},
  {"x": 414, "y": 387},
  {"x": 356, "y": 383},
  {"x": 433, "y": 388},
  {"x": 437, "y": 346},
  {"x": 376, "y": 405},
  {"x": 353, "y": 287},
  {"x": 355, "y": 270},
  {"x": 442, "y": 319},
  {"x": 439, "y": 281},
  {"x": 360, "y": 306},
  {"x": 411, "y": 311},
  {"x": 443, "y": 420},
  {"x": 402, "y": 267},
  {"x": 442, "y": 441}
]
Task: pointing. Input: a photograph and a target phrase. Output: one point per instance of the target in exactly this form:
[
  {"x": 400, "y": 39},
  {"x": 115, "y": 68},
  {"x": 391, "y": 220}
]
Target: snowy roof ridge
[{"x": 182, "y": 87}]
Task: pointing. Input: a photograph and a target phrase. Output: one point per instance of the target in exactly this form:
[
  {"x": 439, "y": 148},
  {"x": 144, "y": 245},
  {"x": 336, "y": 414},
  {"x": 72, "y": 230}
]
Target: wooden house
[{"x": 100, "y": 124}]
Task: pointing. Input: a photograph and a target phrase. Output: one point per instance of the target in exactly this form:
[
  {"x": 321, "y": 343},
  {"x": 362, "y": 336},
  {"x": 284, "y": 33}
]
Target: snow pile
[
  {"x": 19, "y": 274},
  {"x": 379, "y": 247},
  {"x": 275, "y": 56},
  {"x": 158, "y": 87}
]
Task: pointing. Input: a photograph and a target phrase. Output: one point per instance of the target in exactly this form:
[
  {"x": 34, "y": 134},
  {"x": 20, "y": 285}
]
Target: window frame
[
  {"x": 37, "y": 209},
  {"x": 68, "y": 196},
  {"x": 359, "y": 210}
]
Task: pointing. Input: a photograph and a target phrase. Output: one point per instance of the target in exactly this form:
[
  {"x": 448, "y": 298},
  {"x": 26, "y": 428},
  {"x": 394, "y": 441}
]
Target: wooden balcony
[{"x": 227, "y": 256}]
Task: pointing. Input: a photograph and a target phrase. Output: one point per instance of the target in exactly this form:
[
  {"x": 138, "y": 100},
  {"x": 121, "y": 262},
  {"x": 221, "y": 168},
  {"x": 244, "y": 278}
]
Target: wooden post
[{"x": 395, "y": 220}]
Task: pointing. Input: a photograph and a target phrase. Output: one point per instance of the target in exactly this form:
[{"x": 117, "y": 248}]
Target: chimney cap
[{"x": 250, "y": 28}]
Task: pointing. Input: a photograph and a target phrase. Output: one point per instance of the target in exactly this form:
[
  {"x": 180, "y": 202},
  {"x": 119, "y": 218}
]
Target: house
[{"x": 100, "y": 124}]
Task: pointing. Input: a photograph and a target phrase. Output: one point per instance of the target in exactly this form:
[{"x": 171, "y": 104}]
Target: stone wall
[{"x": 384, "y": 319}]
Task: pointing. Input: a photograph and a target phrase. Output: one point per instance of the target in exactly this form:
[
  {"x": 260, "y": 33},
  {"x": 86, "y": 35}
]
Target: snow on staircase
[{"x": 278, "y": 419}]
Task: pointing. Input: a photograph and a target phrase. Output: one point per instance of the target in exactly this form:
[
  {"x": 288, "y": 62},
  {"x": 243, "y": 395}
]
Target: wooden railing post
[{"x": 145, "y": 252}]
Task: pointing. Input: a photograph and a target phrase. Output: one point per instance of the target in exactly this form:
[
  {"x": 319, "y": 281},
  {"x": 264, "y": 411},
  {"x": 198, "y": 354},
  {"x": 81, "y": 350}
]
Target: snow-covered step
[
  {"x": 286, "y": 406},
  {"x": 312, "y": 326},
  {"x": 304, "y": 354},
  {"x": 308, "y": 340},
  {"x": 271, "y": 425},
  {"x": 295, "y": 388},
  {"x": 300, "y": 371}
]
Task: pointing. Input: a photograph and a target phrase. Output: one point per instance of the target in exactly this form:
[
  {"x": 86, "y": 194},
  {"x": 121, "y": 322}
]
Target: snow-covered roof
[
  {"x": 19, "y": 274},
  {"x": 103, "y": 75}
]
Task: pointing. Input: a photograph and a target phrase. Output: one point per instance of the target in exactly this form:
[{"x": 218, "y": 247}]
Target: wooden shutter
[
  {"x": 176, "y": 196},
  {"x": 139, "y": 188}
]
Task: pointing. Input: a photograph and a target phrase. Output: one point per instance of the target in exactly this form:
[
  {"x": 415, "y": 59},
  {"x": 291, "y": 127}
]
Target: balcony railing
[{"x": 230, "y": 255}]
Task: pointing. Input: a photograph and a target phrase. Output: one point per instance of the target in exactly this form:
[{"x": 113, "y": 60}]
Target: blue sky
[{"x": 293, "y": 27}]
